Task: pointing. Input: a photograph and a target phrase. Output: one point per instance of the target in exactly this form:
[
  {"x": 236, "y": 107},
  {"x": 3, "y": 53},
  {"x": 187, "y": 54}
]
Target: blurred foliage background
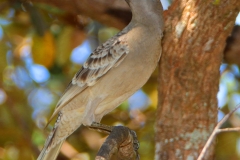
[{"x": 41, "y": 48}]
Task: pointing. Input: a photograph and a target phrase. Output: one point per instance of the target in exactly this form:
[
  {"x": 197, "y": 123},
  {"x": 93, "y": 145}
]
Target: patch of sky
[
  {"x": 11, "y": 13},
  {"x": 139, "y": 100},
  {"x": 39, "y": 73},
  {"x": 234, "y": 101},
  {"x": 26, "y": 55},
  {"x": 21, "y": 77},
  {"x": 81, "y": 53},
  {"x": 9, "y": 57},
  {"x": 220, "y": 115},
  {"x": 3, "y": 96},
  {"x": 235, "y": 70},
  {"x": 230, "y": 81},
  {"x": 28, "y": 60},
  {"x": 1, "y": 33},
  {"x": 4, "y": 22},
  {"x": 165, "y": 4},
  {"x": 222, "y": 95},
  {"x": 40, "y": 99},
  {"x": 238, "y": 19},
  {"x": 223, "y": 67}
]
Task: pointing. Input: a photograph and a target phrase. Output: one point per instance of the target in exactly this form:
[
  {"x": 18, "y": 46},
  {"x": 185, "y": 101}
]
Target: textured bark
[{"x": 195, "y": 36}]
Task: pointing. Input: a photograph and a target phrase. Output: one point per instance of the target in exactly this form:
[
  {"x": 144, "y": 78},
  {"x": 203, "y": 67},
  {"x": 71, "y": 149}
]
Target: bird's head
[{"x": 146, "y": 11}]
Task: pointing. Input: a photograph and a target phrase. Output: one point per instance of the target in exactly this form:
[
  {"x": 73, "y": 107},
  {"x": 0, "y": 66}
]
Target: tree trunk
[{"x": 193, "y": 44}]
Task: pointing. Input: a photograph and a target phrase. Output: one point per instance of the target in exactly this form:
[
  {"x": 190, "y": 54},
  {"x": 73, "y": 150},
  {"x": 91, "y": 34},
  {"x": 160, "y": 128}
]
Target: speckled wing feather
[
  {"x": 110, "y": 54},
  {"x": 100, "y": 62}
]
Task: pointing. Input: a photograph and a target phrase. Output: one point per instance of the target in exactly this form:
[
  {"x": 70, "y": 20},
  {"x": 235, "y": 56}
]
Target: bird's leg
[{"x": 121, "y": 140}]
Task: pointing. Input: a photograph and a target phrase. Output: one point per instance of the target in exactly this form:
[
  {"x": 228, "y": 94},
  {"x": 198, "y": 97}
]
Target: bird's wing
[{"x": 107, "y": 56}]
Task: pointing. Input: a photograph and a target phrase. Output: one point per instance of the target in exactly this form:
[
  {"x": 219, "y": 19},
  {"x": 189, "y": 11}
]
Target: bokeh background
[{"x": 41, "y": 49}]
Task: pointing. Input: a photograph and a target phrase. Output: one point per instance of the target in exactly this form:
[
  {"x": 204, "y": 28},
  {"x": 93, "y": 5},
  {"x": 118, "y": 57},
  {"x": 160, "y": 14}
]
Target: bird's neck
[
  {"x": 147, "y": 12},
  {"x": 152, "y": 22}
]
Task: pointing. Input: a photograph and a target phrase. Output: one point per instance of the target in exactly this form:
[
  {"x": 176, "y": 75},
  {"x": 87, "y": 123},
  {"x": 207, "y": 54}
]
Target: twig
[
  {"x": 237, "y": 129},
  {"x": 216, "y": 131}
]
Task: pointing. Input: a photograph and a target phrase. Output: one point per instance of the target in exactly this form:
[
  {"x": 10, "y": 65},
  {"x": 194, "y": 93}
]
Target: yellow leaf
[
  {"x": 43, "y": 49},
  {"x": 64, "y": 46},
  {"x": 3, "y": 58},
  {"x": 67, "y": 41}
]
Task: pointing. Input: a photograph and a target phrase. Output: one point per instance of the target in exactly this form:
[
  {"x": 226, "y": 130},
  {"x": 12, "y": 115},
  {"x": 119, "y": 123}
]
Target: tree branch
[
  {"x": 216, "y": 131},
  {"x": 113, "y": 13},
  {"x": 121, "y": 142}
]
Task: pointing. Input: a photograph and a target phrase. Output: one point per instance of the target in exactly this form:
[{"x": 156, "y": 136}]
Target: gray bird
[{"x": 112, "y": 73}]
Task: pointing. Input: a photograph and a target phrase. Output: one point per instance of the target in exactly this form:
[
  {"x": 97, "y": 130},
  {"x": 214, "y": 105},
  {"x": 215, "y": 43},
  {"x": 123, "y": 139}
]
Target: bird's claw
[{"x": 101, "y": 127}]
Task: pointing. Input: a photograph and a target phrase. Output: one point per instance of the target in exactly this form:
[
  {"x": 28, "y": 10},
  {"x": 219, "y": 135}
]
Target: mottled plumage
[{"x": 106, "y": 56}]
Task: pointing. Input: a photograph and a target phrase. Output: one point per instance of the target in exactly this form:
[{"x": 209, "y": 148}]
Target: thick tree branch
[
  {"x": 232, "y": 49},
  {"x": 113, "y": 13},
  {"x": 121, "y": 142}
]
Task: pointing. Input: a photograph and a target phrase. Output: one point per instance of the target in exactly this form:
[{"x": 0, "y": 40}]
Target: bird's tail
[
  {"x": 51, "y": 147},
  {"x": 64, "y": 126},
  {"x": 51, "y": 154}
]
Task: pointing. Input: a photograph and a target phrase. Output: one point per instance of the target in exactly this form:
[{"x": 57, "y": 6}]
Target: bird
[{"x": 113, "y": 72}]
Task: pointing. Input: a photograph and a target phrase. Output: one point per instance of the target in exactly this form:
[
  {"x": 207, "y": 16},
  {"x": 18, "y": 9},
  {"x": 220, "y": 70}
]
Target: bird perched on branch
[{"x": 112, "y": 73}]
